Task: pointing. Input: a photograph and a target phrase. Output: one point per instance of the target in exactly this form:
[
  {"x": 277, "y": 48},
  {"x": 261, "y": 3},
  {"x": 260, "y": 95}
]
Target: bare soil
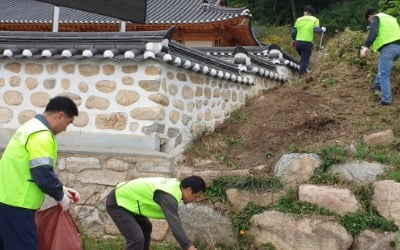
[{"x": 331, "y": 105}]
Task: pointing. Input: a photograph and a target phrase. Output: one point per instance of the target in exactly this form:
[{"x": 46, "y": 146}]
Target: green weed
[
  {"x": 332, "y": 155},
  {"x": 330, "y": 81},
  {"x": 217, "y": 190},
  {"x": 290, "y": 204},
  {"x": 268, "y": 246},
  {"x": 241, "y": 220},
  {"x": 326, "y": 178},
  {"x": 231, "y": 141},
  {"x": 366, "y": 216},
  {"x": 359, "y": 221},
  {"x": 227, "y": 160},
  {"x": 238, "y": 116},
  {"x": 387, "y": 155}
]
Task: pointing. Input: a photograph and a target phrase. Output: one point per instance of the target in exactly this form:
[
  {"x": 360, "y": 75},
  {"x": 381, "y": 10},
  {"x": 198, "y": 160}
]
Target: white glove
[
  {"x": 64, "y": 202},
  {"x": 323, "y": 29},
  {"x": 363, "y": 51},
  {"x": 72, "y": 194}
]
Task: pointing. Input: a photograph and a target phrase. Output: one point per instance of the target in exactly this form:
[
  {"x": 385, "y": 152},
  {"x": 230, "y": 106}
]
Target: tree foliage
[
  {"x": 391, "y": 7},
  {"x": 335, "y": 15},
  {"x": 346, "y": 14}
]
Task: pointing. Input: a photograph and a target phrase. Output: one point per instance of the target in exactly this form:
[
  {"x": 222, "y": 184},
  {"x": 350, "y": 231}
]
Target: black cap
[
  {"x": 309, "y": 9},
  {"x": 370, "y": 11}
]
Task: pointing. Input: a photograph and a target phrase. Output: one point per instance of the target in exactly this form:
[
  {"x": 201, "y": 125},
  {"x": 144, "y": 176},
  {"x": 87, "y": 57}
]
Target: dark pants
[
  {"x": 17, "y": 228},
  {"x": 136, "y": 229},
  {"x": 304, "y": 49}
]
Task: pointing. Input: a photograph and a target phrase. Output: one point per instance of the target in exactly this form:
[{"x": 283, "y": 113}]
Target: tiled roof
[
  {"x": 136, "y": 46},
  {"x": 158, "y": 11},
  {"x": 264, "y": 56}
]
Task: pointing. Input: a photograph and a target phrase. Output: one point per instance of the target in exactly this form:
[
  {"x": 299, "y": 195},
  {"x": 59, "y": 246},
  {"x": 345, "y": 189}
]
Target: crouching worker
[{"x": 132, "y": 203}]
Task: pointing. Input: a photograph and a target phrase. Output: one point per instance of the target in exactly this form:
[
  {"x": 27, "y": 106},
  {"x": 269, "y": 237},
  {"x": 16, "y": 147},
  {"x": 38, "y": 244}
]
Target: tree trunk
[
  {"x": 293, "y": 10},
  {"x": 274, "y": 6}
]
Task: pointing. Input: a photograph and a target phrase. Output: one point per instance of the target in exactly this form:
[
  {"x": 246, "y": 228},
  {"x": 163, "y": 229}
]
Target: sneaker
[{"x": 385, "y": 103}]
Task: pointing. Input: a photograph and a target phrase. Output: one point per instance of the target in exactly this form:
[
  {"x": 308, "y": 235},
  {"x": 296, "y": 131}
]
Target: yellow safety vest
[
  {"x": 17, "y": 187},
  {"x": 137, "y": 195},
  {"x": 305, "y": 28},
  {"x": 389, "y": 31}
]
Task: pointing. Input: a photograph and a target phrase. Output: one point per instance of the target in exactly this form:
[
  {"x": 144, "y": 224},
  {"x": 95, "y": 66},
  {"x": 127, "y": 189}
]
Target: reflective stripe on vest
[
  {"x": 137, "y": 195},
  {"x": 17, "y": 187},
  {"x": 305, "y": 28},
  {"x": 389, "y": 31}
]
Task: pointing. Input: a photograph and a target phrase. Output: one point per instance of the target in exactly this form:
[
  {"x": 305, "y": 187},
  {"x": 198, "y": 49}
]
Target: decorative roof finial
[{"x": 205, "y": 5}]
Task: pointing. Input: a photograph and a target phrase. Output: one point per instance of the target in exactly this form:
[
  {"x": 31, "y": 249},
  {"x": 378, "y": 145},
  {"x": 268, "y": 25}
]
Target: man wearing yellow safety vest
[
  {"x": 27, "y": 174},
  {"x": 384, "y": 36},
  {"x": 303, "y": 36},
  {"x": 133, "y": 202}
]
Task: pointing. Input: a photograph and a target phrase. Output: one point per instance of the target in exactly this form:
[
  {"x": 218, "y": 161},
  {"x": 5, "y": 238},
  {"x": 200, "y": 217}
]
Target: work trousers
[
  {"x": 136, "y": 229},
  {"x": 387, "y": 55},
  {"x": 304, "y": 49},
  {"x": 17, "y": 228}
]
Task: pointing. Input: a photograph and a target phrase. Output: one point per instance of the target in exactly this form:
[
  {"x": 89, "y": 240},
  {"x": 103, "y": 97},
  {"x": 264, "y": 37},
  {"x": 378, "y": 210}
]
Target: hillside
[{"x": 332, "y": 105}]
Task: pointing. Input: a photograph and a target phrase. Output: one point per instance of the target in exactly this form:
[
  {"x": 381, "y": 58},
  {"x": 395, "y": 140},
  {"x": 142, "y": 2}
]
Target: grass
[
  {"x": 291, "y": 204},
  {"x": 330, "y": 81},
  {"x": 241, "y": 220},
  {"x": 100, "y": 243},
  {"x": 227, "y": 160},
  {"x": 332, "y": 155},
  {"x": 207, "y": 144},
  {"x": 366, "y": 216},
  {"x": 326, "y": 178},
  {"x": 118, "y": 243},
  {"x": 217, "y": 190},
  {"x": 238, "y": 116},
  {"x": 231, "y": 141}
]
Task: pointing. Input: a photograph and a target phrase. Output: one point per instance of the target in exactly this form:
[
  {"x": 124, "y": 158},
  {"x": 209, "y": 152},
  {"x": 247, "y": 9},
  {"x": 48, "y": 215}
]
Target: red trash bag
[{"x": 57, "y": 230}]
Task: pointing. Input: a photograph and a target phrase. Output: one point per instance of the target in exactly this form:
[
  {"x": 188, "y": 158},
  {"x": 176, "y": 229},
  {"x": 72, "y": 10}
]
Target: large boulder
[
  {"x": 382, "y": 138},
  {"x": 386, "y": 200},
  {"x": 206, "y": 224},
  {"x": 240, "y": 198},
  {"x": 287, "y": 232},
  {"x": 369, "y": 240},
  {"x": 296, "y": 168},
  {"x": 359, "y": 173},
  {"x": 339, "y": 200}
]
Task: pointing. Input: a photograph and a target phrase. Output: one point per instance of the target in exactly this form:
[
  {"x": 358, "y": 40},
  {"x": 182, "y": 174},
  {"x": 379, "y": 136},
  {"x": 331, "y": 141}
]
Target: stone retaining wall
[
  {"x": 147, "y": 105},
  {"x": 134, "y": 118}
]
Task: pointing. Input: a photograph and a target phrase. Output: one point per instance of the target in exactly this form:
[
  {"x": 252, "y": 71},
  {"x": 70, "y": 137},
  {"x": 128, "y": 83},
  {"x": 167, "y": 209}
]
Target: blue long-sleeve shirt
[
  {"x": 44, "y": 175},
  {"x": 373, "y": 32}
]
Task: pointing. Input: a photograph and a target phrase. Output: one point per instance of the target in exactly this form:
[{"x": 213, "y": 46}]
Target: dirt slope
[{"x": 333, "y": 105}]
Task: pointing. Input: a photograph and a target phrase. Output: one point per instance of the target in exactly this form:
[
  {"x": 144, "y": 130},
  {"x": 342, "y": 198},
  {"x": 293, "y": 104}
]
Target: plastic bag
[{"x": 57, "y": 230}]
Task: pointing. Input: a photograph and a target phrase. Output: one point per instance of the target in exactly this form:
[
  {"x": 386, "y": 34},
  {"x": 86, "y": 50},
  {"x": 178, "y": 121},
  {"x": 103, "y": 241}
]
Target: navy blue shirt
[{"x": 45, "y": 177}]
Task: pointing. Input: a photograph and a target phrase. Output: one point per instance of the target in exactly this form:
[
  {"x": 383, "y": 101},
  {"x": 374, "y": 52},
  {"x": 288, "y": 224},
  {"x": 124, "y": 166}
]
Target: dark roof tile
[{"x": 158, "y": 11}]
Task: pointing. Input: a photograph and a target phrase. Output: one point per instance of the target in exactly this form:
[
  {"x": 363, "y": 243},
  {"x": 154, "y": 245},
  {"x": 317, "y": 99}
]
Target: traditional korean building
[
  {"x": 27, "y": 45},
  {"x": 198, "y": 22}
]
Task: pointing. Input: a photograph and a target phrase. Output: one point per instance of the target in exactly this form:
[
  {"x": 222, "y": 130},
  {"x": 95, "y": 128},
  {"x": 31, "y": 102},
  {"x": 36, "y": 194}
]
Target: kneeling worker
[{"x": 132, "y": 202}]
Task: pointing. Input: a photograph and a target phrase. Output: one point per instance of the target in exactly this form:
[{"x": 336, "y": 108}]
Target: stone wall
[
  {"x": 134, "y": 119},
  {"x": 122, "y": 104}
]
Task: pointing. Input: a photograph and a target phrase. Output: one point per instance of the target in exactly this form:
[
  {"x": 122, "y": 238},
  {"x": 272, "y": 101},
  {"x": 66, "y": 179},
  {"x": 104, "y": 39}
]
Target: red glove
[{"x": 294, "y": 44}]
